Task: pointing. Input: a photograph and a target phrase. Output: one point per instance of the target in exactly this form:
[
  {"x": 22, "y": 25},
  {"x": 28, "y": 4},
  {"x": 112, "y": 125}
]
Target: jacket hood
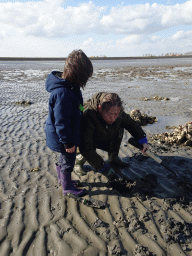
[
  {"x": 55, "y": 81},
  {"x": 95, "y": 101}
]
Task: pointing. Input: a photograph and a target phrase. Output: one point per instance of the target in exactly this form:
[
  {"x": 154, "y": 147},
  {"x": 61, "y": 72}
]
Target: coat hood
[
  {"x": 55, "y": 81},
  {"x": 95, "y": 101}
]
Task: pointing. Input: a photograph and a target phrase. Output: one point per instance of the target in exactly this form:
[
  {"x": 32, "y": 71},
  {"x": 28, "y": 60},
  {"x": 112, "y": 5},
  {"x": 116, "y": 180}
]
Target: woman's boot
[{"x": 79, "y": 162}]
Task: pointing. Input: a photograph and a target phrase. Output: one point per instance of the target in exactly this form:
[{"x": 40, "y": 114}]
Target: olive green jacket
[{"x": 95, "y": 131}]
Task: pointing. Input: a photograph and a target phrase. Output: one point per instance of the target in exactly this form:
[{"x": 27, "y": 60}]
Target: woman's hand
[
  {"x": 70, "y": 150},
  {"x": 145, "y": 147}
]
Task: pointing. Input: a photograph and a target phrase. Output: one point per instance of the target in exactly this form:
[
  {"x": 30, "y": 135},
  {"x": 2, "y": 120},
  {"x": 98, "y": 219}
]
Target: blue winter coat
[{"x": 63, "y": 123}]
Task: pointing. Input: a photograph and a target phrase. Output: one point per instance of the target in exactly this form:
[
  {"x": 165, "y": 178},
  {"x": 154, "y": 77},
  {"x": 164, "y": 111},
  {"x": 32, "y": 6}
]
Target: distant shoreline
[{"x": 92, "y": 58}]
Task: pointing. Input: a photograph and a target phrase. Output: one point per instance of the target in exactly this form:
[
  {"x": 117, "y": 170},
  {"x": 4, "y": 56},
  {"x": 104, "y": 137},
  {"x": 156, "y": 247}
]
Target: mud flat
[{"x": 154, "y": 217}]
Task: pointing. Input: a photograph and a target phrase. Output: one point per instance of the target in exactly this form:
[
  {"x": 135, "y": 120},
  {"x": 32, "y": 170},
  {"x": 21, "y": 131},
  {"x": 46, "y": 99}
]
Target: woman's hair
[
  {"x": 111, "y": 100},
  {"x": 78, "y": 68}
]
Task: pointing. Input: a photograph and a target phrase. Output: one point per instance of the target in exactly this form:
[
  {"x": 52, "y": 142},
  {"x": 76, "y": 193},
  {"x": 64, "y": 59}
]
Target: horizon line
[{"x": 95, "y": 58}]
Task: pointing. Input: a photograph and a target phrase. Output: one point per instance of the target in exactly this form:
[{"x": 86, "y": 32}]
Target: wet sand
[{"x": 152, "y": 218}]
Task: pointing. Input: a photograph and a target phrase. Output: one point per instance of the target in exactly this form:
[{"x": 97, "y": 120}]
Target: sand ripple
[{"x": 36, "y": 219}]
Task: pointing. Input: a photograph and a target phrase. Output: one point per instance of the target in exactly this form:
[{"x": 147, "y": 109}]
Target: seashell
[
  {"x": 179, "y": 136},
  {"x": 167, "y": 238},
  {"x": 188, "y": 136},
  {"x": 188, "y": 143},
  {"x": 185, "y": 129},
  {"x": 142, "y": 119}
]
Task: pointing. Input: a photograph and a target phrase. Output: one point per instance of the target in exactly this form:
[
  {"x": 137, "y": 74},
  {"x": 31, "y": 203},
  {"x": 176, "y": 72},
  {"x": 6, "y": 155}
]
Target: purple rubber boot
[
  {"x": 68, "y": 186},
  {"x": 58, "y": 170}
]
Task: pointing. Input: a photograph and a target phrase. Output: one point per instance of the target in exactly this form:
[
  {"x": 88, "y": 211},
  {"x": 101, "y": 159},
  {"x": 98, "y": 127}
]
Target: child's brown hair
[{"x": 78, "y": 68}]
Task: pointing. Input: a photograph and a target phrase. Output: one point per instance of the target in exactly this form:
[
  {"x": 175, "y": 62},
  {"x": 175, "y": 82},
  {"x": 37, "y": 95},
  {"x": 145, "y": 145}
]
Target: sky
[{"x": 53, "y": 28}]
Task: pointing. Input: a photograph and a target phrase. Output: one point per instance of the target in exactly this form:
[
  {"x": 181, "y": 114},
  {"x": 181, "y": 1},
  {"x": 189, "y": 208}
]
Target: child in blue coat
[{"x": 63, "y": 122}]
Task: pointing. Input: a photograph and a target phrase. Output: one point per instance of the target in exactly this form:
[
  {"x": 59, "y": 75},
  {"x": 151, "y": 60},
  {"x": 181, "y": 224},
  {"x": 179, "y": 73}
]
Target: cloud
[
  {"x": 89, "y": 42},
  {"x": 179, "y": 42},
  {"x": 180, "y": 14},
  {"x": 50, "y": 19},
  {"x": 133, "y": 45},
  {"x": 30, "y": 46},
  {"x": 133, "y": 39},
  {"x": 52, "y": 29},
  {"x": 128, "y": 19},
  {"x": 146, "y": 18},
  {"x": 184, "y": 38}
]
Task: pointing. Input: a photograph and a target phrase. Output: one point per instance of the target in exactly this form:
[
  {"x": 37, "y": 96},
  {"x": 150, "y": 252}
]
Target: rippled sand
[{"x": 36, "y": 219}]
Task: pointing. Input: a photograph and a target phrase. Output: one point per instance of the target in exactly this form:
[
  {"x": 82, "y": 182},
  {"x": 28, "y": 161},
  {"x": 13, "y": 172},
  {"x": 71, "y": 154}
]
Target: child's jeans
[{"x": 67, "y": 161}]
